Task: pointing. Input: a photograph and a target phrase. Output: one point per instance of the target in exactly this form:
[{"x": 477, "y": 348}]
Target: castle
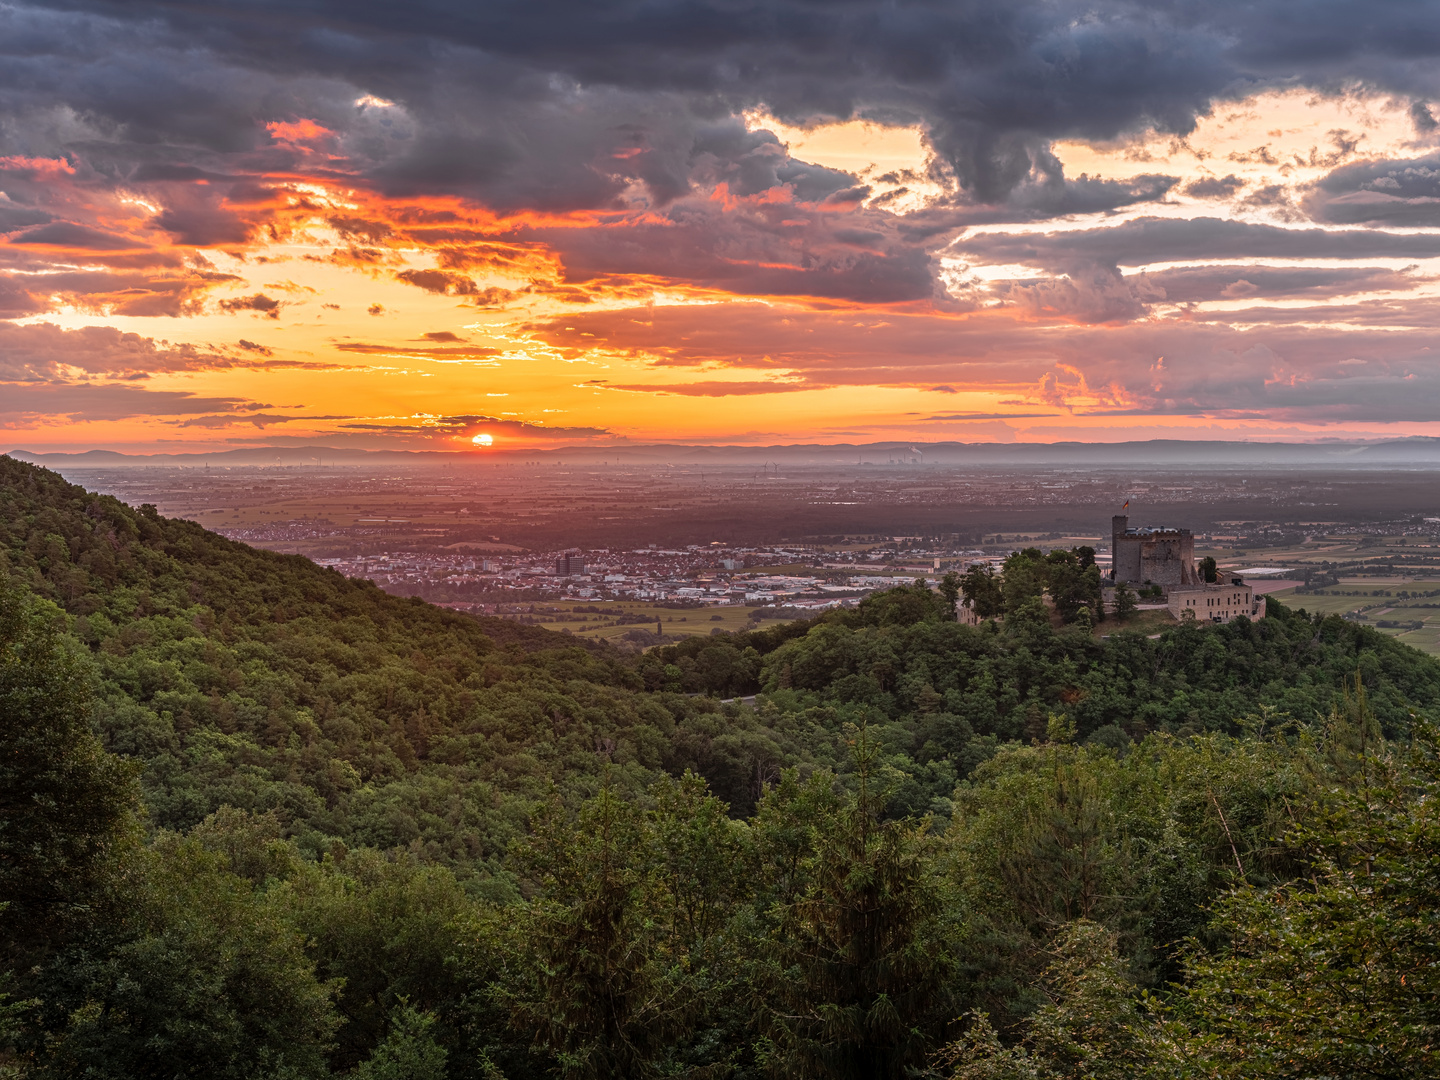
[
  {"x": 1166, "y": 557},
  {"x": 1152, "y": 556}
]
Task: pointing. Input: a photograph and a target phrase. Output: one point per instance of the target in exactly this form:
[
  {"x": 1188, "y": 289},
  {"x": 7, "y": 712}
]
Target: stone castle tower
[{"x": 1154, "y": 556}]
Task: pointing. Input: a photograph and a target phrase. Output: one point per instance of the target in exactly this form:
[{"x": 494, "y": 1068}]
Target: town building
[{"x": 568, "y": 565}]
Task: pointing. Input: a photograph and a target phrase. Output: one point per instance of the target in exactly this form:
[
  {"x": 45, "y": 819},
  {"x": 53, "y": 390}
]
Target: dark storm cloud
[
  {"x": 766, "y": 248},
  {"x": 1401, "y": 193},
  {"x": 258, "y": 303},
  {"x": 1186, "y": 285},
  {"x": 1214, "y": 187},
  {"x": 1149, "y": 240},
  {"x": 620, "y": 108},
  {"x": 64, "y": 234},
  {"x": 563, "y": 102}
]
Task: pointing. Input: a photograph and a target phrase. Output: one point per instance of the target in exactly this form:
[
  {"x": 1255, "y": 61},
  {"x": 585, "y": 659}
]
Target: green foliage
[
  {"x": 409, "y": 1052},
  {"x": 386, "y": 840},
  {"x": 1024, "y": 577},
  {"x": 1336, "y": 972},
  {"x": 386, "y": 931},
  {"x": 1209, "y": 573},
  {"x": 605, "y": 986},
  {"x": 949, "y": 588},
  {"x": 1092, "y": 1024},
  {"x": 66, "y": 805},
  {"x": 860, "y": 966},
  {"x": 1073, "y": 582},
  {"x": 982, "y": 591},
  {"x": 1124, "y": 602},
  {"x": 202, "y": 974}
]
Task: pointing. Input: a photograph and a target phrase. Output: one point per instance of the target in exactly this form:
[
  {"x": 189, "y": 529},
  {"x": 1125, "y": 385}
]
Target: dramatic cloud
[
  {"x": 1381, "y": 193},
  {"x": 1169, "y": 368},
  {"x": 614, "y": 215},
  {"x": 1153, "y": 240},
  {"x": 44, "y": 353}
]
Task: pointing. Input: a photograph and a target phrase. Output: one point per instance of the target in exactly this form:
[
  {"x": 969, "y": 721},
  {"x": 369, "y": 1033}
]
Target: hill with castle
[{"x": 277, "y": 822}]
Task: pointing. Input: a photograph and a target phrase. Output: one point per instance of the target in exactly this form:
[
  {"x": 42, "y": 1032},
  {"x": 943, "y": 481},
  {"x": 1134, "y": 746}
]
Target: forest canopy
[{"x": 260, "y": 820}]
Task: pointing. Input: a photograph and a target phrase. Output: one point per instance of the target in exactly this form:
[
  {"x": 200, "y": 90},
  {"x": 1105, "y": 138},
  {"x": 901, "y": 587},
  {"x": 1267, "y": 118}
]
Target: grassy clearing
[
  {"x": 674, "y": 623},
  {"x": 1151, "y": 621}
]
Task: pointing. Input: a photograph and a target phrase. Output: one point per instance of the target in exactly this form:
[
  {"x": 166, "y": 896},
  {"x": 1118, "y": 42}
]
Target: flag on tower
[{"x": 1126, "y": 506}]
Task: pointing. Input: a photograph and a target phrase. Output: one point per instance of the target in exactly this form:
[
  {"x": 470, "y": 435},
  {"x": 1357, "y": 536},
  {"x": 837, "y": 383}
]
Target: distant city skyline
[{"x": 556, "y": 224}]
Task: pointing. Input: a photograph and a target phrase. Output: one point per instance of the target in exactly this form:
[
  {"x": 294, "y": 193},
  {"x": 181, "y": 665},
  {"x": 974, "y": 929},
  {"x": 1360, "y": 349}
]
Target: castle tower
[
  {"x": 1160, "y": 556},
  {"x": 1124, "y": 557}
]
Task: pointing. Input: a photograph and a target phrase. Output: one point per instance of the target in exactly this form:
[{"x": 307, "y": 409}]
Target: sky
[{"x": 511, "y": 224}]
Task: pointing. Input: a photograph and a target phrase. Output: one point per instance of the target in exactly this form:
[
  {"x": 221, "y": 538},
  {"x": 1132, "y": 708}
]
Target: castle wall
[{"x": 1168, "y": 559}]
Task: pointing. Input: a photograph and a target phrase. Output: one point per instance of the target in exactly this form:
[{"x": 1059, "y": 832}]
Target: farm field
[
  {"x": 1382, "y": 581},
  {"x": 1381, "y": 603}
]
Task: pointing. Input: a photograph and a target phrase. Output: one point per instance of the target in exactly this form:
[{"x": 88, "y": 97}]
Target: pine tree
[
  {"x": 860, "y": 971},
  {"x": 1124, "y": 602}
]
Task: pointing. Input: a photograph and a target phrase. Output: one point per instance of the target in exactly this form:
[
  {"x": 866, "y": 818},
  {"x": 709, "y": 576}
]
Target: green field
[
  {"x": 675, "y": 623},
  {"x": 1368, "y": 568},
  {"x": 1356, "y": 596}
]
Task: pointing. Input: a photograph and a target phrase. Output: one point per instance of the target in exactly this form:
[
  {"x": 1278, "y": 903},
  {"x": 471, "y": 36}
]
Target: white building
[{"x": 1216, "y": 603}]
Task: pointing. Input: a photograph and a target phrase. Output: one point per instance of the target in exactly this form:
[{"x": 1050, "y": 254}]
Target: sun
[{"x": 483, "y": 439}]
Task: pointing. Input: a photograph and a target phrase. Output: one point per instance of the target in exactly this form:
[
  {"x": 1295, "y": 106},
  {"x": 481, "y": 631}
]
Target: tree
[
  {"x": 1073, "y": 581},
  {"x": 950, "y": 590},
  {"x": 409, "y": 1052},
  {"x": 859, "y": 968},
  {"x": 386, "y": 930},
  {"x": 1091, "y": 1025},
  {"x": 982, "y": 590},
  {"x": 1025, "y": 575},
  {"x": 1124, "y": 602},
  {"x": 600, "y": 988},
  {"x": 203, "y": 978},
  {"x": 66, "y": 806},
  {"x": 1336, "y": 973},
  {"x": 1208, "y": 571}
]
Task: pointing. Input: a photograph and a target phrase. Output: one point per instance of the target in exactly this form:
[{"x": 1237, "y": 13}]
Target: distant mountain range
[{"x": 1179, "y": 453}]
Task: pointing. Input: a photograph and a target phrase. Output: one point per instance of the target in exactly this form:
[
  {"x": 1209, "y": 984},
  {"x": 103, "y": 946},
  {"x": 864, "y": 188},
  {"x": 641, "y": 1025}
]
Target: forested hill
[
  {"x": 251, "y": 679},
  {"x": 244, "y": 678},
  {"x": 258, "y": 820}
]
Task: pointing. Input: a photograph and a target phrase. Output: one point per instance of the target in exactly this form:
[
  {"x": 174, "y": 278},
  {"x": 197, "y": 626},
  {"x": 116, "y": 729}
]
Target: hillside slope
[{"x": 244, "y": 678}]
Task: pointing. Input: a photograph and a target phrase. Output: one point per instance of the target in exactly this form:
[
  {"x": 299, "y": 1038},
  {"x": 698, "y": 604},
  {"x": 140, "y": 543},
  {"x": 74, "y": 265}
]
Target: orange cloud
[{"x": 298, "y": 131}]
